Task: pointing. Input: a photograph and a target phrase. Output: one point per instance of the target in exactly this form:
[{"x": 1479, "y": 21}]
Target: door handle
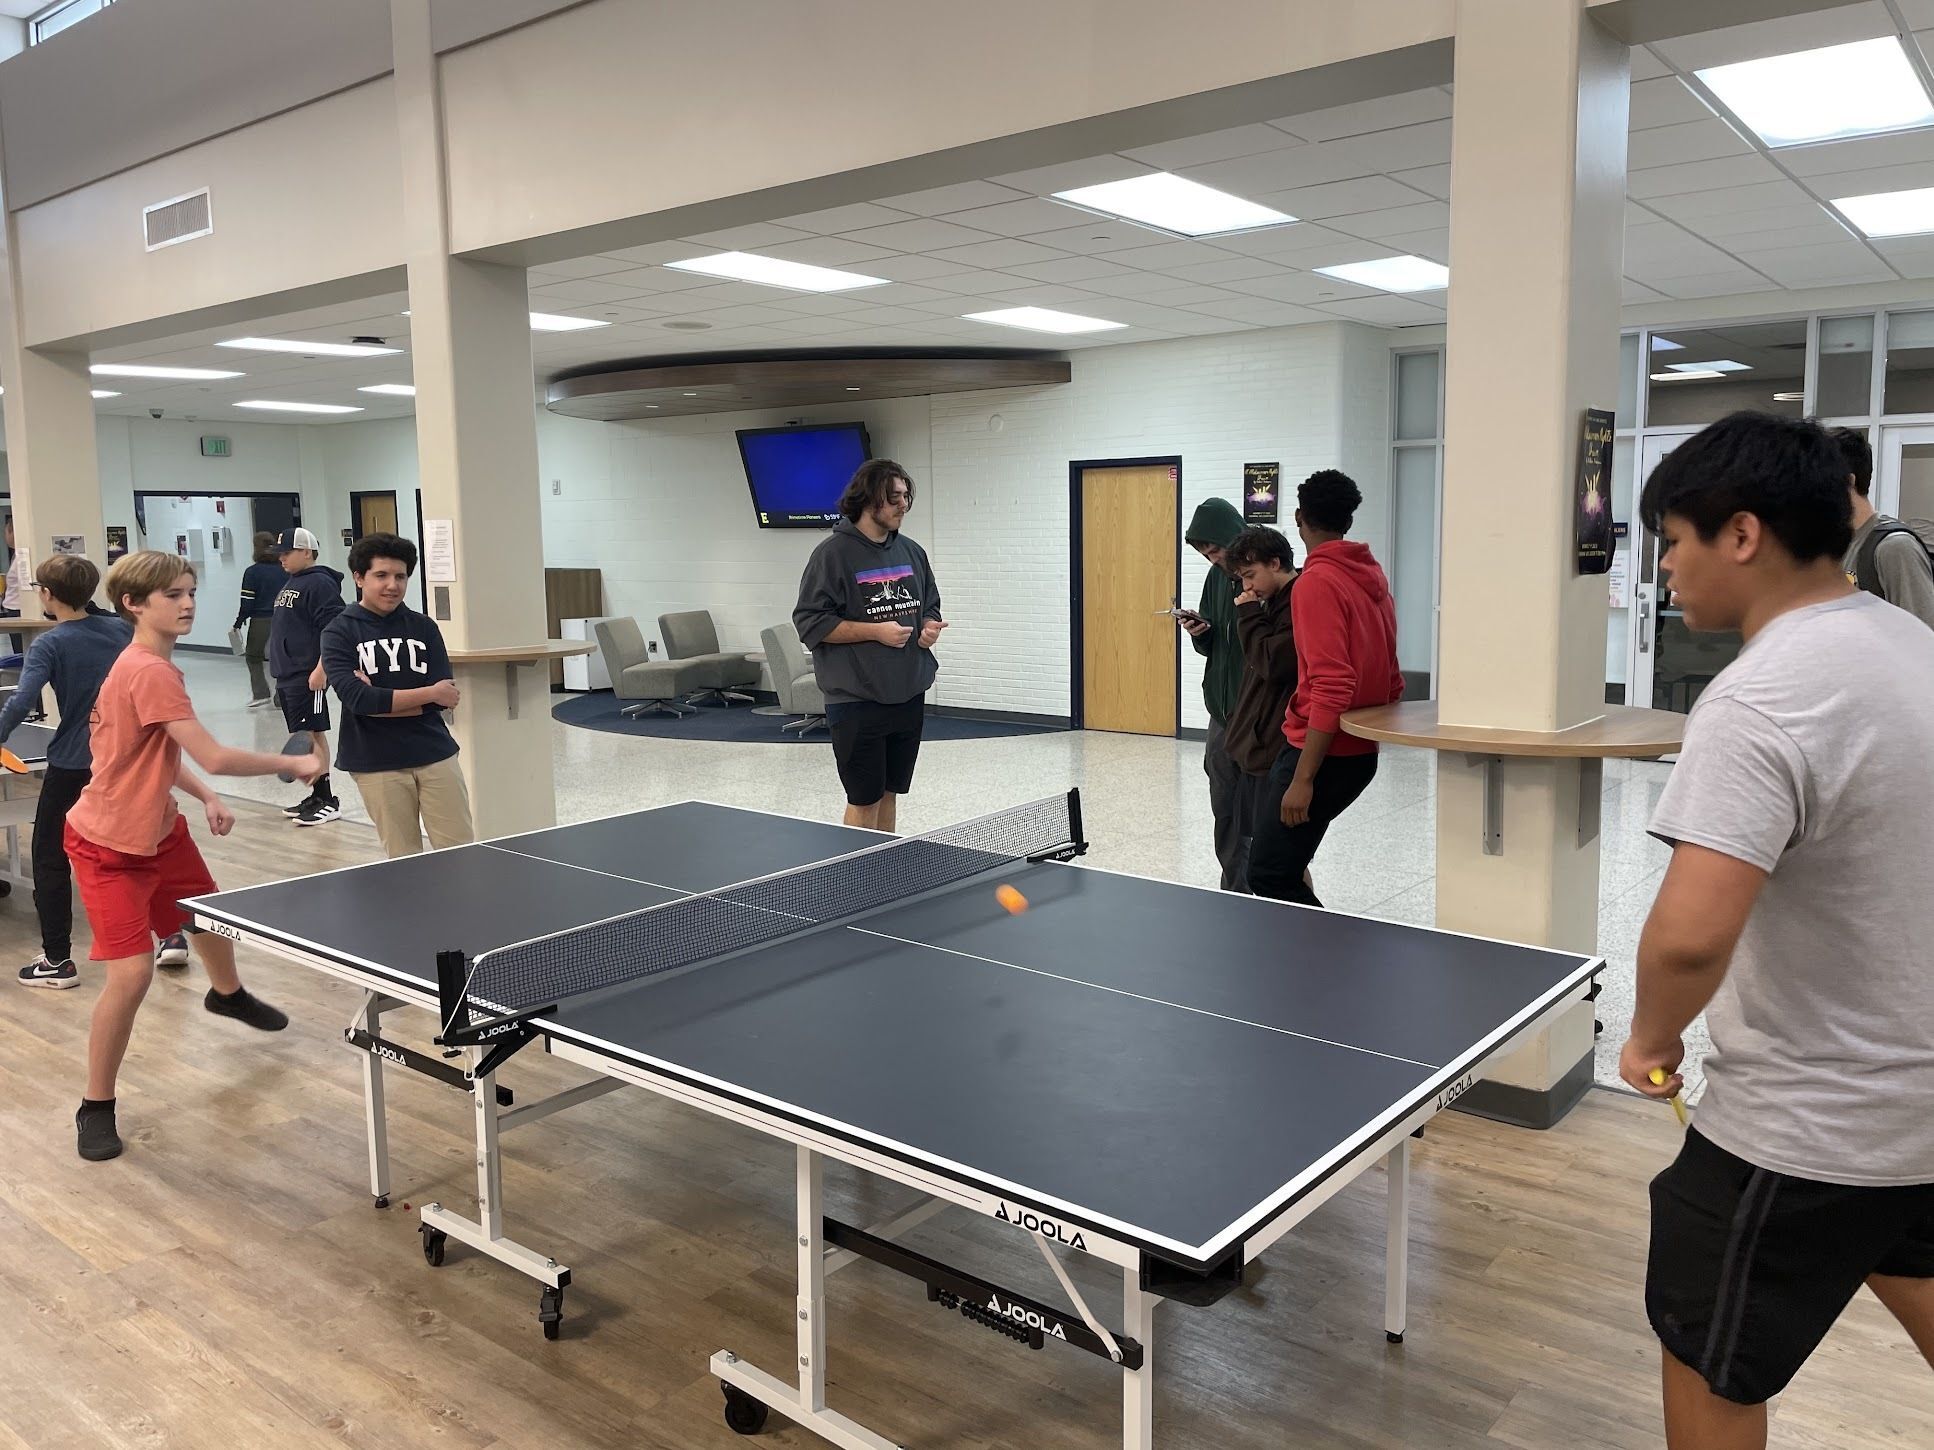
[{"x": 1645, "y": 623}]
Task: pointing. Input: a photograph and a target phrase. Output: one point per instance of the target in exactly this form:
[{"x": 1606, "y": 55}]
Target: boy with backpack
[{"x": 1888, "y": 557}]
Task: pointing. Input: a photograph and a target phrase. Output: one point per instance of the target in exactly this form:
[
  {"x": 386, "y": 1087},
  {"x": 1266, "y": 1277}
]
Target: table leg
[
  {"x": 1138, "y": 1385},
  {"x": 1396, "y": 1271},
  {"x": 375, "y": 1114}
]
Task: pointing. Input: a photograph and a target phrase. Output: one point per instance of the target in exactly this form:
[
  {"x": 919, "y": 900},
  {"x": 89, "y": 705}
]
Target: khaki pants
[{"x": 432, "y": 795}]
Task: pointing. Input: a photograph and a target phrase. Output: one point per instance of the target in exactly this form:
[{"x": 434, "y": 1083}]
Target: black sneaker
[
  {"x": 244, "y": 1007},
  {"x": 98, "y": 1140},
  {"x": 300, "y": 806},
  {"x": 316, "y": 812},
  {"x": 172, "y": 954},
  {"x": 42, "y": 973}
]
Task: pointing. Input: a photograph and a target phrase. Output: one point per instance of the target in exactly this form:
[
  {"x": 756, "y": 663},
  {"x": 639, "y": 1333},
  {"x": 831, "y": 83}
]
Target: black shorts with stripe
[{"x": 1749, "y": 1268}]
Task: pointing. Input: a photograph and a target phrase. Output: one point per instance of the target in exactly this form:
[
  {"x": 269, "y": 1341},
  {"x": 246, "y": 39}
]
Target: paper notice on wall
[
  {"x": 440, "y": 551},
  {"x": 1621, "y": 577}
]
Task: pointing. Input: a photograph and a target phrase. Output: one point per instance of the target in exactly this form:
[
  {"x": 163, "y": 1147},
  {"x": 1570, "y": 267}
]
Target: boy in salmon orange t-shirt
[{"x": 129, "y": 845}]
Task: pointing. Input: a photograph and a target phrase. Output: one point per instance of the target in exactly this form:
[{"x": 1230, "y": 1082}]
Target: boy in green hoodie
[{"x": 1212, "y": 629}]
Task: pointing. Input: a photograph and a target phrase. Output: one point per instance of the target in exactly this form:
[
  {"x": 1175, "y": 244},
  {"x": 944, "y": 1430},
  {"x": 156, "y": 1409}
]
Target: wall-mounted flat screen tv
[{"x": 797, "y": 474}]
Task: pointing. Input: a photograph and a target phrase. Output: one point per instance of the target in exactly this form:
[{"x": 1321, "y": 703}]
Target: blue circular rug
[{"x": 736, "y": 724}]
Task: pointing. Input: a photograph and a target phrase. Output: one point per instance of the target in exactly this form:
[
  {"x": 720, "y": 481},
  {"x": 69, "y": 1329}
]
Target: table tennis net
[{"x": 529, "y": 976}]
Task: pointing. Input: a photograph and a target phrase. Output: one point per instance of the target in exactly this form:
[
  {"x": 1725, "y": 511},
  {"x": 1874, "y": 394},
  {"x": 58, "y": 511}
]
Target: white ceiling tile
[
  {"x": 1906, "y": 177},
  {"x": 903, "y": 294},
  {"x": 1215, "y": 146},
  {"x": 1919, "y": 14},
  {"x": 1130, "y": 284},
  {"x": 1820, "y": 232},
  {"x": 1632, "y": 292},
  {"x": 1866, "y": 154},
  {"x": 1665, "y": 102},
  {"x": 574, "y": 267},
  {"x": 746, "y": 238},
  {"x": 924, "y": 235},
  {"x": 1435, "y": 180},
  {"x": 1647, "y": 66},
  {"x": 1820, "y": 265},
  {"x": 889, "y": 316},
  {"x": 1731, "y": 228},
  {"x": 1231, "y": 269},
  {"x": 1163, "y": 255},
  {"x": 1293, "y": 165},
  {"x": 813, "y": 326},
  {"x": 807, "y": 304},
  {"x": 1724, "y": 171},
  {"x": 1261, "y": 312},
  {"x": 658, "y": 279},
  {"x": 1137, "y": 313},
  {"x": 1300, "y": 287},
  {"x": 1722, "y": 200},
  {"x": 976, "y": 284},
  {"x": 1097, "y": 238},
  {"x": 1046, "y": 294},
  {"x": 1727, "y": 283},
  {"x": 1687, "y": 141},
  {"x": 583, "y": 289},
  {"x": 1335, "y": 254},
  {"x": 1094, "y": 171},
  {"x": 829, "y": 252},
  {"x": 1191, "y": 295},
  {"x": 1403, "y": 148},
  {"x": 1909, "y": 256},
  {"x": 1344, "y": 198},
  {"x": 1071, "y": 269},
  {"x": 1001, "y": 252},
  {"x": 1018, "y": 218},
  {"x": 845, "y": 218},
  {"x": 1410, "y": 310},
  {"x": 747, "y": 315},
  {"x": 959, "y": 197},
  {"x": 1669, "y": 251},
  {"x": 1433, "y": 243},
  {"x": 1781, "y": 36},
  {"x": 910, "y": 269},
  {"x": 1278, "y": 242},
  {"x": 1396, "y": 220},
  {"x": 656, "y": 254},
  {"x": 1361, "y": 116}
]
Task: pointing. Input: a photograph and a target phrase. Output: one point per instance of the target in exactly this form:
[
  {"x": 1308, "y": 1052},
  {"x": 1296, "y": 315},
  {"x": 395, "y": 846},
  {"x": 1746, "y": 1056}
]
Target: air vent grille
[{"x": 180, "y": 219}]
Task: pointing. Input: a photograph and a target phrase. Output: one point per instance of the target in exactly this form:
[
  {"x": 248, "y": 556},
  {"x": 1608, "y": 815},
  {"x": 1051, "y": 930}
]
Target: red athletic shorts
[{"x": 130, "y": 900}]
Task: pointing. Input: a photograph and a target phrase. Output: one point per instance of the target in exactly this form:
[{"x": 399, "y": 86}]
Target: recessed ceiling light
[
  {"x": 1724, "y": 365},
  {"x": 265, "y": 406},
  {"x": 852, "y": 390},
  {"x": 142, "y": 370},
  {"x": 1890, "y": 213},
  {"x": 394, "y": 390},
  {"x": 1043, "y": 319},
  {"x": 556, "y": 322},
  {"x": 1861, "y": 89},
  {"x": 1393, "y": 274},
  {"x": 771, "y": 272},
  {"x": 1666, "y": 344},
  {"x": 307, "y": 349},
  {"x": 1789, "y": 397},
  {"x": 1684, "y": 377},
  {"x": 98, "y": 392},
  {"x": 1175, "y": 204}
]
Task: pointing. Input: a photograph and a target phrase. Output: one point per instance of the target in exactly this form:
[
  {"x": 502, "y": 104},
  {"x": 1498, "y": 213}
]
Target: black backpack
[{"x": 1866, "y": 573}]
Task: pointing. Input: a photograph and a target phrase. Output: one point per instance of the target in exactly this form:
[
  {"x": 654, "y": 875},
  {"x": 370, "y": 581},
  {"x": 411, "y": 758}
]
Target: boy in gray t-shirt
[{"x": 1798, "y": 913}]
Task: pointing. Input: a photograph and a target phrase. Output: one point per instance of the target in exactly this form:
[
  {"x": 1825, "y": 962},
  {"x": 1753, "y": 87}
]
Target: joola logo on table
[
  {"x": 1047, "y": 1228},
  {"x": 1023, "y": 1315},
  {"x": 394, "y": 1054},
  {"x": 1455, "y": 1091}
]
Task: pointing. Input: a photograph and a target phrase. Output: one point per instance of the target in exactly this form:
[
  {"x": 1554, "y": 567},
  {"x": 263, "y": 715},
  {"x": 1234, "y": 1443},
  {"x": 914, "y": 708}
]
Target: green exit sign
[{"x": 212, "y": 447}]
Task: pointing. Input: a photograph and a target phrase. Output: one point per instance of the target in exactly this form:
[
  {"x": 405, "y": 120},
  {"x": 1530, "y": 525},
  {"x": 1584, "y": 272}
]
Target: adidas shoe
[
  {"x": 315, "y": 812},
  {"x": 42, "y": 973},
  {"x": 300, "y": 806}
]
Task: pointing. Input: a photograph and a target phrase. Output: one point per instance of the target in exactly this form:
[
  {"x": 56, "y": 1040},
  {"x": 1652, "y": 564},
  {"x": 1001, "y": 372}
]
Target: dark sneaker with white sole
[
  {"x": 173, "y": 952},
  {"x": 42, "y": 973},
  {"x": 300, "y": 806},
  {"x": 316, "y": 812},
  {"x": 245, "y": 1007},
  {"x": 95, "y": 1127}
]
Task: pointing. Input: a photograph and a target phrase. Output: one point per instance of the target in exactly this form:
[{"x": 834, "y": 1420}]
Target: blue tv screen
[{"x": 798, "y": 474}]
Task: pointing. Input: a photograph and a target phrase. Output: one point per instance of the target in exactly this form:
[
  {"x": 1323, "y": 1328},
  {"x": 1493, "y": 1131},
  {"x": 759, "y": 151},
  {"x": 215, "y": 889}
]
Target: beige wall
[{"x": 306, "y": 198}]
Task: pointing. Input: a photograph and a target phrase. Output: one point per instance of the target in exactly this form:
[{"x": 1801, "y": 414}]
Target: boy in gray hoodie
[{"x": 869, "y": 610}]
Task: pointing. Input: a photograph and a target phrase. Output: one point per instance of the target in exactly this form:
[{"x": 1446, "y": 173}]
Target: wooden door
[
  {"x": 375, "y": 513},
  {"x": 1128, "y": 568}
]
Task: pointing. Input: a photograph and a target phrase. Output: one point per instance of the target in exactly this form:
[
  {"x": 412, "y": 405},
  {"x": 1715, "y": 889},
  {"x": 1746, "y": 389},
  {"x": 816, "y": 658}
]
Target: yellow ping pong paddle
[{"x": 1678, "y": 1106}]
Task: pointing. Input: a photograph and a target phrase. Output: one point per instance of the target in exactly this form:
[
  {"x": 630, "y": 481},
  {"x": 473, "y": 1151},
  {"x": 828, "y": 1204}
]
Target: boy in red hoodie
[{"x": 1345, "y": 625}]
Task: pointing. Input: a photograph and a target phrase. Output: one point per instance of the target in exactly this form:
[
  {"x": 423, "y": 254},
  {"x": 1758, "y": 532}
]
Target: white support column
[
  {"x": 1396, "y": 1263},
  {"x": 1138, "y": 1385},
  {"x": 1538, "y": 171}
]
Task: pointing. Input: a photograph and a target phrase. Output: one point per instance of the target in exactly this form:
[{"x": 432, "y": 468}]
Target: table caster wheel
[
  {"x": 433, "y": 1242},
  {"x": 743, "y": 1413},
  {"x": 382, "y": 1200},
  {"x": 1392, "y": 1337},
  {"x": 550, "y": 1311}
]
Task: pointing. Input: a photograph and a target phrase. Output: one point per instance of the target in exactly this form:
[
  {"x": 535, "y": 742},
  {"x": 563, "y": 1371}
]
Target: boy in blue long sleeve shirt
[{"x": 74, "y": 657}]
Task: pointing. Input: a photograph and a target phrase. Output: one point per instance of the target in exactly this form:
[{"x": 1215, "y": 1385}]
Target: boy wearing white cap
[{"x": 310, "y": 598}]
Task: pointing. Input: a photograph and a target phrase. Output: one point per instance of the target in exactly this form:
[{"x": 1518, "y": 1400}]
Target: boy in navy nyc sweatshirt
[{"x": 388, "y": 666}]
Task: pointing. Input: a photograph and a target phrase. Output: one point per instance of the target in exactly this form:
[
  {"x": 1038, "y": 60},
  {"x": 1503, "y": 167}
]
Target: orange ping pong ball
[{"x": 1011, "y": 900}]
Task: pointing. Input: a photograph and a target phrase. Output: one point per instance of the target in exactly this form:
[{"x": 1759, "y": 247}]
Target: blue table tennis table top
[{"x": 1169, "y": 1065}]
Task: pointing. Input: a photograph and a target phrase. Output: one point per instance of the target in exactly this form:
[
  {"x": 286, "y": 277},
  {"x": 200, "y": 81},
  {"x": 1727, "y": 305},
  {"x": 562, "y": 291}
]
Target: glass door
[
  {"x": 1670, "y": 665},
  {"x": 1904, "y": 473}
]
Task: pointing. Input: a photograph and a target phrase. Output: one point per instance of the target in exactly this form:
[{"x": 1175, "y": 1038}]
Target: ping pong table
[{"x": 1162, "y": 1077}]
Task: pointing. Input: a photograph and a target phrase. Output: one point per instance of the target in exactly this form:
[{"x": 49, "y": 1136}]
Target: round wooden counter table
[
  {"x": 514, "y": 656},
  {"x": 1621, "y": 732}
]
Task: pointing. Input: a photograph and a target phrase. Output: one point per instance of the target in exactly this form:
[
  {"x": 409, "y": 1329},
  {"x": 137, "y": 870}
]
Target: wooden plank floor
[{"x": 227, "y": 1283}]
